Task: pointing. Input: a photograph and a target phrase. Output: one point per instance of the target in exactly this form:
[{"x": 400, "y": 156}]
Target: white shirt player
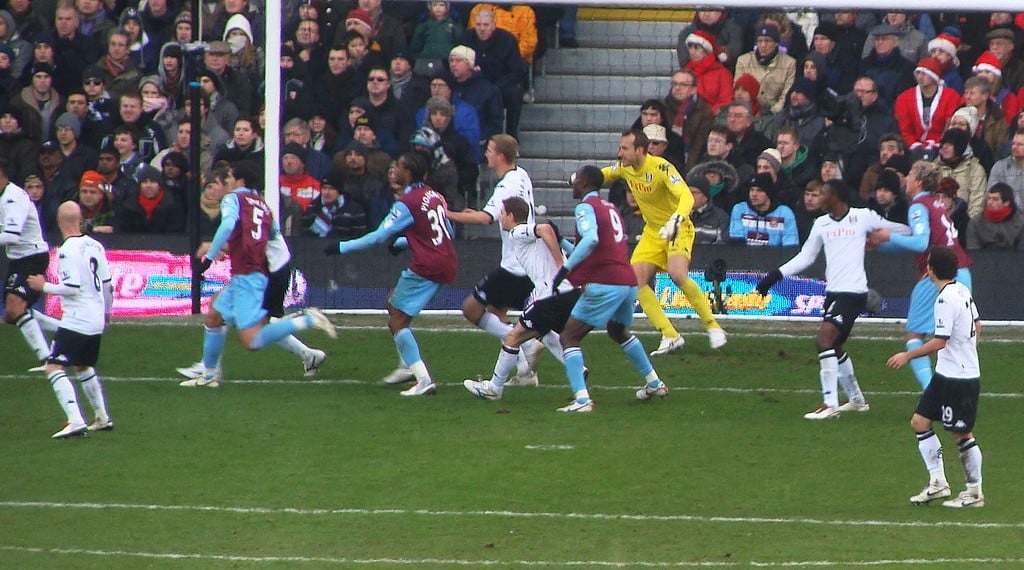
[
  {"x": 955, "y": 316},
  {"x": 22, "y": 233},
  {"x": 516, "y": 182},
  {"x": 843, "y": 241},
  {"x": 278, "y": 254},
  {"x": 84, "y": 285},
  {"x": 535, "y": 258}
]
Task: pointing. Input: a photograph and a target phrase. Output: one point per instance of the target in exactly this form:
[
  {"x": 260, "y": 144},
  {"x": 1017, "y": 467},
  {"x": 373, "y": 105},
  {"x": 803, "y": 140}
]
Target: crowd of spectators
[
  {"x": 763, "y": 108},
  {"x": 95, "y": 103},
  {"x": 767, "y": 106}
]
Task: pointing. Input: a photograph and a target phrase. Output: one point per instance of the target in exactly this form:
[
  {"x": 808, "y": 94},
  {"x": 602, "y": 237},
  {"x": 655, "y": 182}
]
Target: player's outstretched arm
[{"x": 393, "y": 224}]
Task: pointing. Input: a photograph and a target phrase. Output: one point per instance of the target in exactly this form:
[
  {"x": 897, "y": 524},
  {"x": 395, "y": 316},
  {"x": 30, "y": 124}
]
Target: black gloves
[
  {"x": 773, "y": 277},
  {"x": 332, "y": 249},
  {"x": 204, "y": 264},
  {"x": 392, "y": 248},
  {"x": 559, "y": 277}
]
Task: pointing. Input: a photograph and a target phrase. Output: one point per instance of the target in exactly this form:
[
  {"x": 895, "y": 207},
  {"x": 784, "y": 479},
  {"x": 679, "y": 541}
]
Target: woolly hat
[
  {"x": 364, "y": 121},
  {"x": 971, "y": 114},
  {"x": 751, "y": 85},
  {"x": 656, "y": 133},
  {"x": 773, "y": 157},
  {"x": 948, "y": 186},
  {"x": 91, "y": 179},
  {"x": 8, "y": 50},
  {"x": 827, "y": 28},
  {"x": 888, "y": 180},
  {"x": 69, "y": 121},
  {"x": 42, "y": 67},
  {"x": 129, "y": 14},
  {"x": 699, "y": 183},
  {"x": 988, "y": 61},
  {"x": 296, "y": 149},
  {"x": 464, "y": 52},
  {"x": 806, "y": 87},
  {"x": 765, "y": 182},
  {"x": 930, "y": 67},
  {"x": 435, "y": 104},
  {"x": 959, "y": 139},
  {"x": 948, "y": 41},
  {"x": 899, "y": 162},
  {"x": 93, "y": 72},
  {"x": 183, "y": 17},
  {"x": 15, "y": 112},
  {"x": 147, "y": 172},
  {"x": 426, "y": 137},
  {"x": 768, "y": 31},
  {"x": 360, "y": 16},
  {"x": 44, "y": 38},
  {"x": 703, "y": 39}
]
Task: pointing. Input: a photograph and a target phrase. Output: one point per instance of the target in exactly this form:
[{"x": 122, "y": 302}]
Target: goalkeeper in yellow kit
[{"x": 665, "y": 203}]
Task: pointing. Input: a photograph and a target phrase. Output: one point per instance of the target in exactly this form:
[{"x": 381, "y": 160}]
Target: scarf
[
  {"x": 703, "y": 66},
  {"x": 209, "y": 206},
  {"x": 323, "y": 223},
  {"x": 716, "y": 188},
  {"x": 148, "y": 205},
  {"x": 398, "y": 86},
  {"x": 115, "y": 68},
  {"x": 765, "y": 60},
  {"x": 998, "y": 215}
]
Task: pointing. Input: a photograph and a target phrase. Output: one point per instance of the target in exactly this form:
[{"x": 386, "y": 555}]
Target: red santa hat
[
  {"x": 703, "y": 39},
  {"x": 947, "y": 42},
  {"x": 988, "y": 61},
  {"x": 930, "y": 67}
]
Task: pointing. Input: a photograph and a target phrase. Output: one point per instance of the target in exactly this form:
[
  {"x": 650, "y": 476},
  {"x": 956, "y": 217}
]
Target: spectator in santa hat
[
  {"x": 714, "y": 81},
  {"x": 728, "y": 35},
  {"x": 944, "y": 48},
  {"x": 987, "y": 66},
  {"x": 922, "y": 128}
]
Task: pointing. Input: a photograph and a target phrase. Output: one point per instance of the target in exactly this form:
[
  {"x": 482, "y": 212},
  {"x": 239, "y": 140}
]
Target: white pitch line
[
  {"x": 463, "y": 562},
  {"x": 360, "y": 561},
  {"x": 512, "y": 514},
  {"x": 558, "y": 386}
]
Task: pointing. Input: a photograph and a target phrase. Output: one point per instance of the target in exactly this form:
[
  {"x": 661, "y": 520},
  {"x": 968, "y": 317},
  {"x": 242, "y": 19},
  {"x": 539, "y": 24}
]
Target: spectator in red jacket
[
  {"x": 714, "y": 82},
  {"x": 924, "y": 110}
]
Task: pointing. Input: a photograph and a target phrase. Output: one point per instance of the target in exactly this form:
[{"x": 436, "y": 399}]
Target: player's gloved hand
[
  {"x": 559, "y": 277},
  {"x": 395, "y": 245},
  {"x": 766, "y": 282},
  {"x": 669, "y": 231},
  {"x": 332, "y": 249},
  {"x": 204, "y": 264}
]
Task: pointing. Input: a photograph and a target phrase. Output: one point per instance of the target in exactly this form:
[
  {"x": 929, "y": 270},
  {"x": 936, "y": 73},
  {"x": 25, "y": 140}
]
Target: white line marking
[
  {"x": 555, "y": 447},
  {"x": 361, "y": 561},
  {"x": 460, "y": 562},
  {"x": 558, "y": 386},
  {"x": 512, "y": 514}
]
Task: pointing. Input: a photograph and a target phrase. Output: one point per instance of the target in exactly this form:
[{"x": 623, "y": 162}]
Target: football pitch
[{"x": 272, "y": 470}]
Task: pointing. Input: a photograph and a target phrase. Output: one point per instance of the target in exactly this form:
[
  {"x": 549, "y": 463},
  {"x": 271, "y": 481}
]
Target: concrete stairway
[{"x": 587, "y": 96}]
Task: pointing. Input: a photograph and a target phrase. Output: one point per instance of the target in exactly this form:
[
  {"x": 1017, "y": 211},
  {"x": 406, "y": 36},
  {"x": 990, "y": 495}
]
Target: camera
[{"x": 716, "y": 271}]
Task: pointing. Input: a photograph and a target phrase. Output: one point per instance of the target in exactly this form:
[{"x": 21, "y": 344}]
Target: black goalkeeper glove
[
  {"x": 773, "y": 277},
  {"x": 204, "y": 264},
  {"x": 332, "y": 249},
  {"x": 559, "y": 277}
]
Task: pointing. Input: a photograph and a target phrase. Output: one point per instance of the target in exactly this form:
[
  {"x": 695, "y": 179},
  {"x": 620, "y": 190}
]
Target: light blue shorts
[
  {"x": 921, "y": 317},
  {"x": 412, "y": 293},
  {"x": 241, "y": 301},
  {"x": 602, "y": 303}
]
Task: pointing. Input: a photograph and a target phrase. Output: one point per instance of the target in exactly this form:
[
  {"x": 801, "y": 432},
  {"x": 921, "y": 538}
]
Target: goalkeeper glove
[
  {"x": 204, "y": 264},
  {"x": 669, "y": 231},
  {"x": 773, "y": 277},
  {"x": 332, "y": 249}
]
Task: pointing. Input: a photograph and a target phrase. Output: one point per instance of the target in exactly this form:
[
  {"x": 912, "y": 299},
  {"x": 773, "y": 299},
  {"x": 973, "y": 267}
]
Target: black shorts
[
  {"x": 503, "y": 289},
  {"x": 842, "y": 309},
  {"x": 72, "y": 348},
  {"x": 952, "y": 402},
  {"x": 550, "y": 313},
  {"x": 18, "y": 271},
  {"x": 277, "y": 288}
]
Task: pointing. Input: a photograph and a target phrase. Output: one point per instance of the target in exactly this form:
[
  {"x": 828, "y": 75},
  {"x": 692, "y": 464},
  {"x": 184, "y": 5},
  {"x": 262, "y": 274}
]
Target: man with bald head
[{"x": 87, "y": 300}]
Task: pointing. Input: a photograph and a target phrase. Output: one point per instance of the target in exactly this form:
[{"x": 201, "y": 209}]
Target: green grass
[{"x": 344, "y": 472}]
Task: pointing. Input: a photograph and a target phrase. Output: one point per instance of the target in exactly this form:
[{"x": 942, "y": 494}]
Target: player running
[
  {"x": 246, "y": 226},
  {"x": 667, "y": 240},
  {"x": 842, "y": 233},
  {"x": 420, "y": 214}
]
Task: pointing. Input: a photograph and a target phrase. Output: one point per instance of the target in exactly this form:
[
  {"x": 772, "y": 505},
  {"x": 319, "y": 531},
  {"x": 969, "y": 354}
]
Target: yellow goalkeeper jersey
[{"x": 658, "y": 188}]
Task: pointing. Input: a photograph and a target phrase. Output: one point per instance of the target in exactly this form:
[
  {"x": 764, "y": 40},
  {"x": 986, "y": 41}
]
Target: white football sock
[
  {"x": 65, "y": 392},
  {"x": 507, "y": 360},
  {"x": 93, "y": 388},
  {"x": 29, "y": 329},
  {"x": 848, "y": 380},
  {"x": 970, "y": 458},
  {"x": 46, "y": 322},
  {"x": 829, "y": 371},
  {"x": 554, "y": 345},
  {"x": 493, "y": 325},
  {"x": 931, "y": 452}
]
